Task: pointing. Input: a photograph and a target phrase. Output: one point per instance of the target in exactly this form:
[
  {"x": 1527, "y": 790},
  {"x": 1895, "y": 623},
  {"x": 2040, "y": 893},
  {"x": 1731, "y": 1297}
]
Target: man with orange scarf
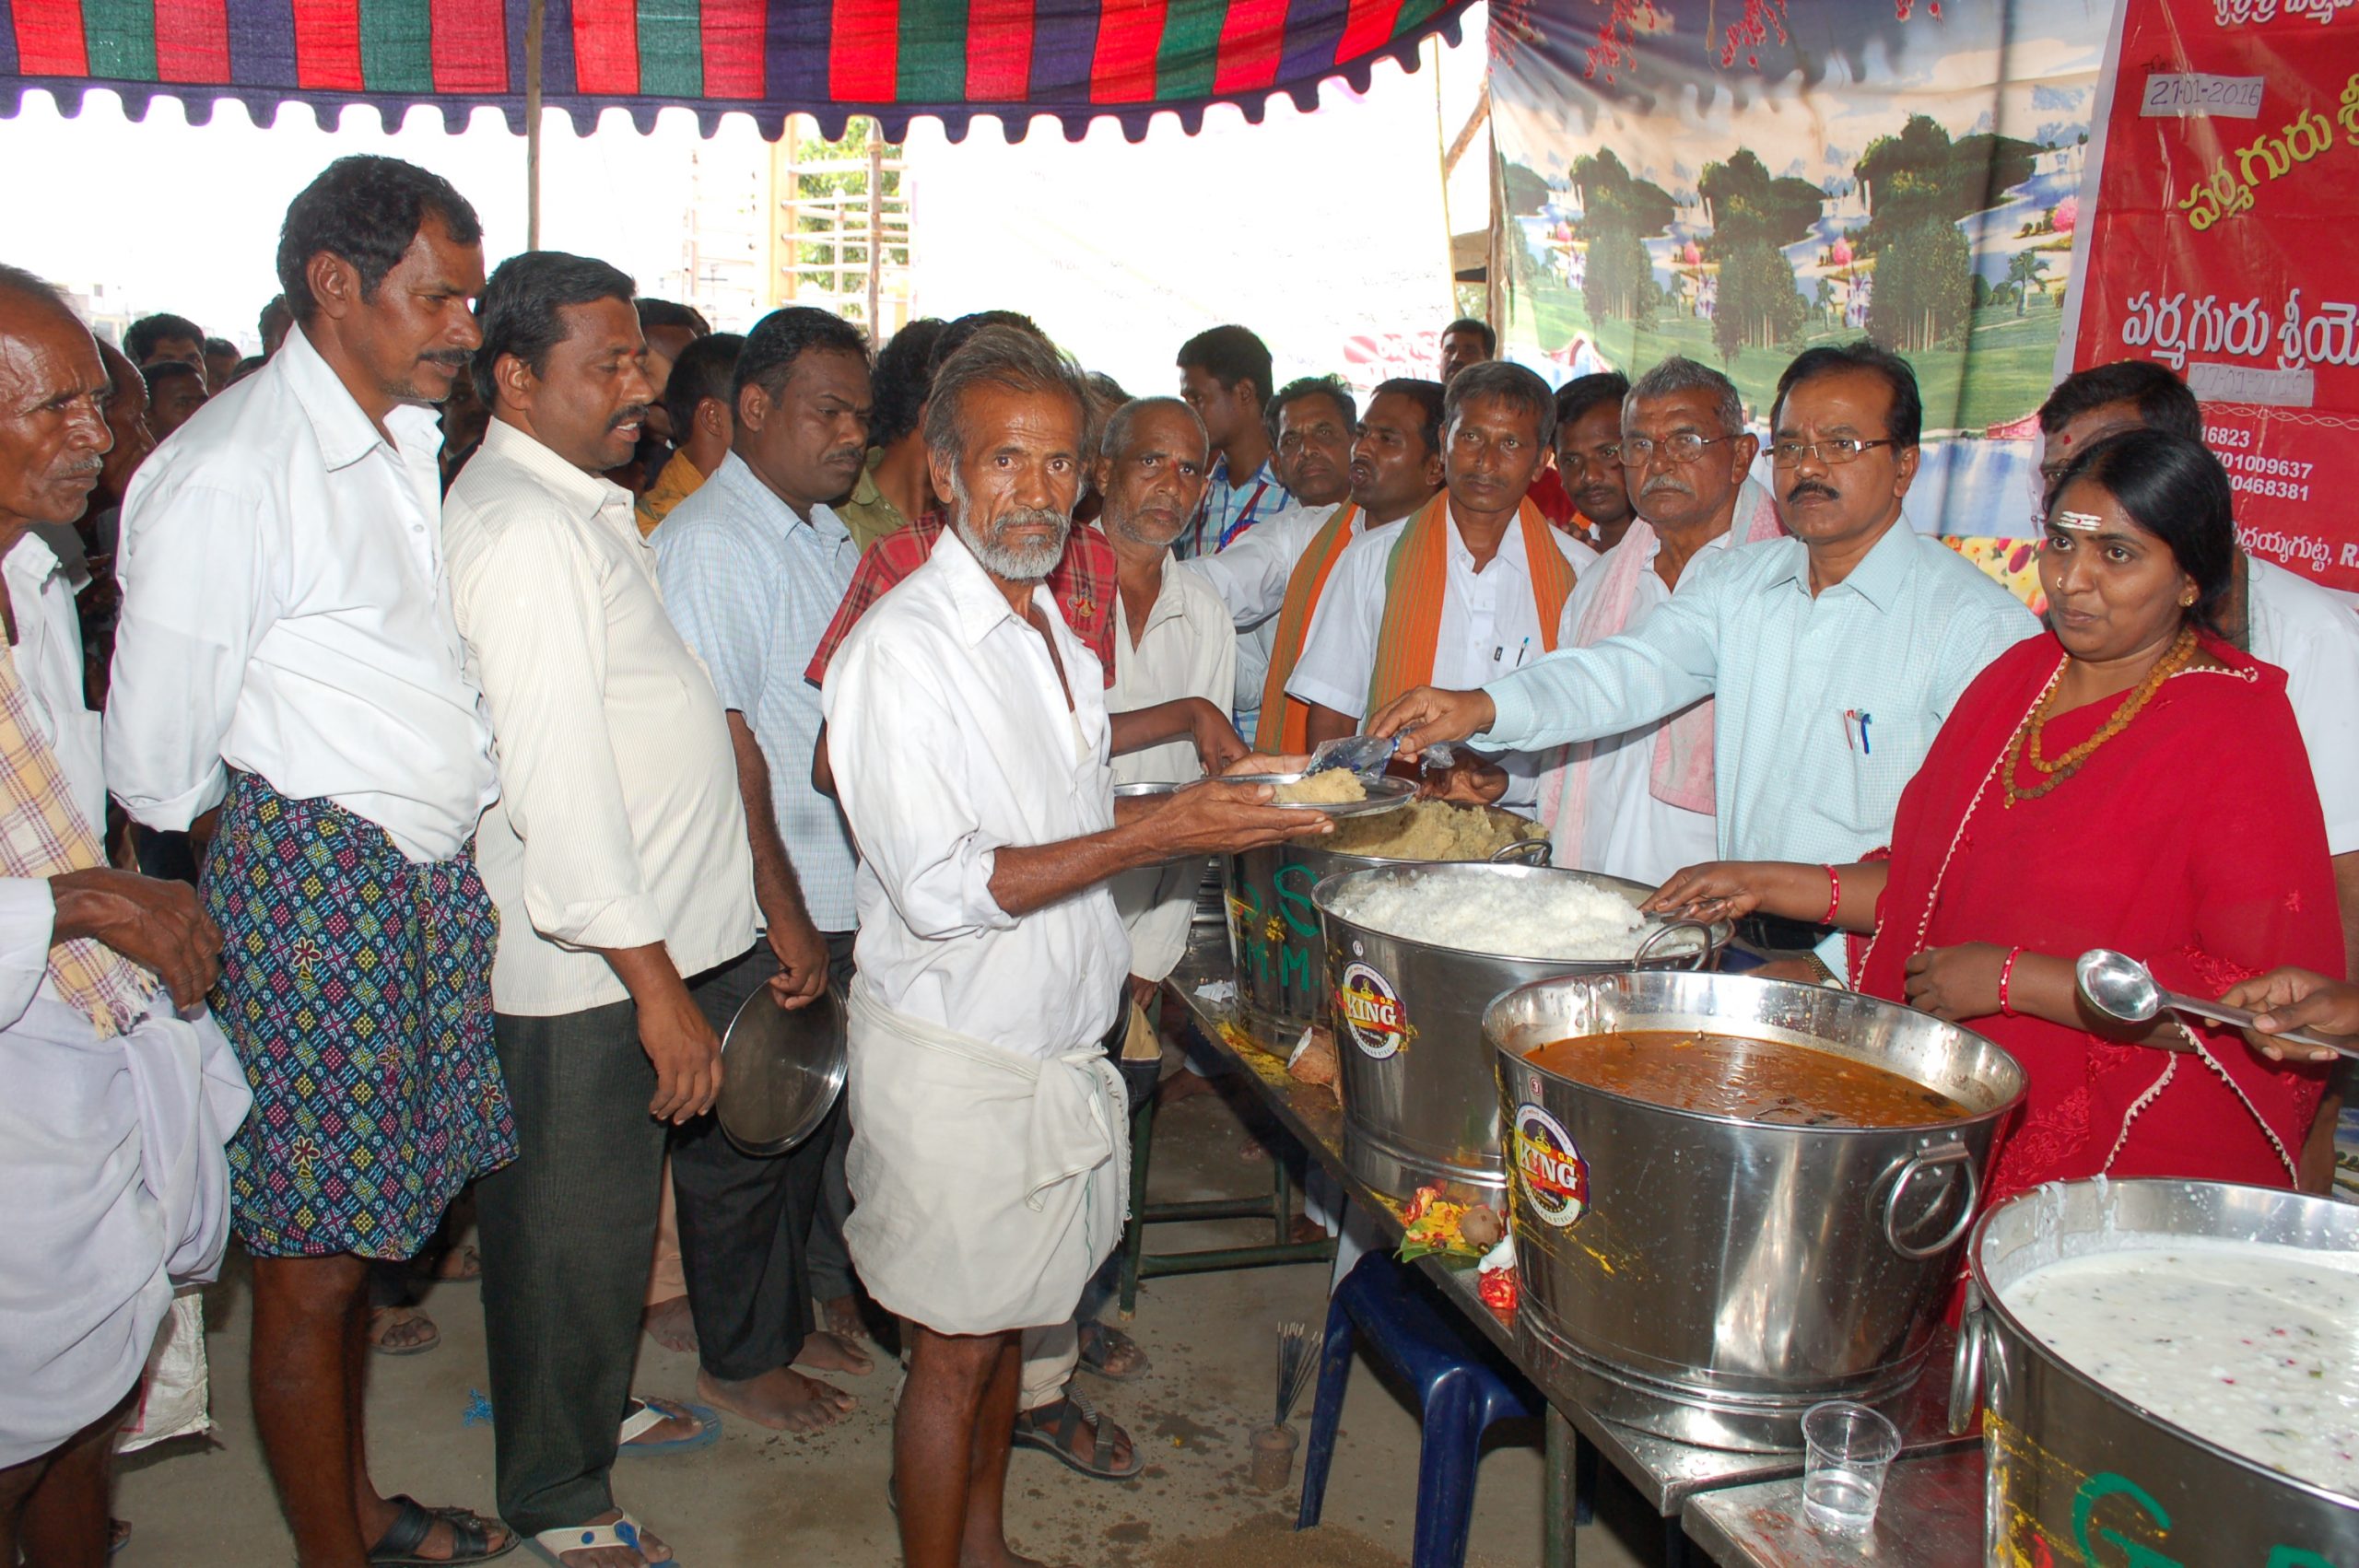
[
  {"x": 1272, "y": 577},
  {"x": 1472, "y": 587}
]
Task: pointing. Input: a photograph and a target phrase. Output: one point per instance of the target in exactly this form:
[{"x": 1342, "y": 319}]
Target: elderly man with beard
[
  {"x": 115, "y": 1110},
  {"x": 971, "y": 751},
  {"x": 1639, "y": 805},
  {"x": 619, "y": 855},
  {"x": 1832, "y": 656}
]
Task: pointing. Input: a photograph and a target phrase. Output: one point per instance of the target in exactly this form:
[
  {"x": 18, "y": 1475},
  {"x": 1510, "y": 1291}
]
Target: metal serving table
[
  {"x": 1930, "y": 1518},
  {"x": 1668, "y": 1474}
]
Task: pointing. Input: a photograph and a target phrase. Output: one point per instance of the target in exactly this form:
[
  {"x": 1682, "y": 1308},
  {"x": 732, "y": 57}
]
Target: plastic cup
[{"x": 1848, "y": 1449}]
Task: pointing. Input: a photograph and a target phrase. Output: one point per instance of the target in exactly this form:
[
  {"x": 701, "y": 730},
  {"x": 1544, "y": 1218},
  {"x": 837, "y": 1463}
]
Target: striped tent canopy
[{"x": 892, "y": 60}]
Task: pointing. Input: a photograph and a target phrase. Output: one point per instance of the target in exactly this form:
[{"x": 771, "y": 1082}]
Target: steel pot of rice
[
  {"x": 1412, "y": 956},
  {"x": 1273, "y": 928}
]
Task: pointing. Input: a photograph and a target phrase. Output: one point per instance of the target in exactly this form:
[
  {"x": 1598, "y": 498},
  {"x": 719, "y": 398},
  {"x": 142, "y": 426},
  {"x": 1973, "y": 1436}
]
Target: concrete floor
[{"x": 761, "y": 1498}]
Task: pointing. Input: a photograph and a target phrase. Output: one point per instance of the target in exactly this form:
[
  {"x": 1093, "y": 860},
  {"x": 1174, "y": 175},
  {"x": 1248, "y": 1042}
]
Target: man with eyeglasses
[
  {"x": 1832, "y": 656},
  {"x": 1639, "y": 805},
  {"x": 1588, "y": 456}
]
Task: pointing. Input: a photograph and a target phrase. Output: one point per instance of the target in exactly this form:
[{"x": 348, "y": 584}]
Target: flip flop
[
  {"x": 1100, "y": 1343},
  {"x": 1056, "y": 1438},
  {"x": 470, "y": 1537},
  {"x": 378, "y": 1345},
  {"x": 623, "y": 1532},
  {"x": 654, "y": 1412}
]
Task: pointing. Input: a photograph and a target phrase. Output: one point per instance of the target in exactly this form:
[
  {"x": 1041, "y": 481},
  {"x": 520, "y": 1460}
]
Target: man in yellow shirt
[{"x": 697, "y": 398}]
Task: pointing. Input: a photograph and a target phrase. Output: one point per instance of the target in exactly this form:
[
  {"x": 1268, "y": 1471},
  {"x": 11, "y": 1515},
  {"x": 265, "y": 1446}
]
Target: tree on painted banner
[
  {"x": 1924, "y": 292},
  {"x": 1618, "y": 212},
  {"x": 1753, "y": 216}
]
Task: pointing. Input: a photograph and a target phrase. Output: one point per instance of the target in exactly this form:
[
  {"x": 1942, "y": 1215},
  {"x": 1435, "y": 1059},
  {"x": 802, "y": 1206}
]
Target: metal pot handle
[
  {"x": 1966, "y": 1370},
  {"x": 1950, "y": 1153},
  {"x": 1523, "y": 852},
  {"x": 1703, "y": 955}
]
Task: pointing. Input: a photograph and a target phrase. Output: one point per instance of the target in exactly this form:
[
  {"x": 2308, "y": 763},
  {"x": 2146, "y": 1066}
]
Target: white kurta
[
  {"x": 1490, "y": 627},
  {"x": 1189, "y": 649},
  {"x": 110, "y": 1150},
  {"x": 1626, "y": 832},
  {"x": 1252, "y": 576},
  {"x": 950, "y": 738},
  {"x": 2312, "y": 633}
]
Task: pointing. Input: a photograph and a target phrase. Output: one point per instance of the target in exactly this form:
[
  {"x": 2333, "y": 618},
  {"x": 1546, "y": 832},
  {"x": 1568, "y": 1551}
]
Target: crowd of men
[{"x": 504, "y": 679}]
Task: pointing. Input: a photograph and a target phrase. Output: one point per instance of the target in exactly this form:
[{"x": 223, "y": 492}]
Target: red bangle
[
  {"x": 2006, "y": 975},
  {"x": 1834, "y": 895}
]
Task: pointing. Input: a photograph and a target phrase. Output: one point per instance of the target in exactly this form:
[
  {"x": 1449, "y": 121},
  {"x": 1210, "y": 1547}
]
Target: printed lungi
[{"x": 356, "y": 986}]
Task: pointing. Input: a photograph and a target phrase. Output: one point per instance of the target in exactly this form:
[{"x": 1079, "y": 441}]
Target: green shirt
[{"x": 868, "y": 514}]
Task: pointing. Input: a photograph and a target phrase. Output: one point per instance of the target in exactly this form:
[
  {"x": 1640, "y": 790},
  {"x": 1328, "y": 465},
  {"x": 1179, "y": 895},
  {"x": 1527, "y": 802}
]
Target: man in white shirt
[
  {"x": 1470, "y": 588},
  {"x": 286, "y": 642},
  {"x": 1311, "y": 422},
  {"x": 618, "y": 857},
  {"x": 1639, "y": 805},
  {"x": 1588, "y": 456},
  {"x": 753, "y": 567},
  {"x": 971, "y": 747},
  {"x": 1272, "y": 577},
  {"x": 114, "y": 1115}
]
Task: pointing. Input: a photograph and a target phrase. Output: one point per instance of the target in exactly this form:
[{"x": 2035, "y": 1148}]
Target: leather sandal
[
  {"x": 1052, "y": 1428},
  {"x": 471, "y": 1537}
]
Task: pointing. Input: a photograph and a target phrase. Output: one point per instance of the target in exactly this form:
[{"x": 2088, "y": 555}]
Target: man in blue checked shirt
[
  {"x": 1225, "y": 376},
  {"x": 752, "y": 566}
]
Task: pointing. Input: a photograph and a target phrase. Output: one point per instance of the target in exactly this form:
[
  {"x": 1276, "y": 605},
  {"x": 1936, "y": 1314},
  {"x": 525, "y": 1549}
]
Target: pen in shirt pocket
[{"x": 1500, "y": 653}]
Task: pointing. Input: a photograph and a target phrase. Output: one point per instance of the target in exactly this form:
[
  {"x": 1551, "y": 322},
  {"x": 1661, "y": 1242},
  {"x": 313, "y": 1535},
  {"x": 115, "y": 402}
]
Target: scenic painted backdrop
[{"x": 1738, "y": 179}]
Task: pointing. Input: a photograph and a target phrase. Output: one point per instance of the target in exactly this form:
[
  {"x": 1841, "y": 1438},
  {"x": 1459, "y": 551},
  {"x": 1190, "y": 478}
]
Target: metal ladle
[{"x": 2120, "y": 987}]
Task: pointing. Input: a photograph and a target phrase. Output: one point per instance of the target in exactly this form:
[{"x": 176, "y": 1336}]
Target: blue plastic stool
[{"x": 1461, "y": 1389}]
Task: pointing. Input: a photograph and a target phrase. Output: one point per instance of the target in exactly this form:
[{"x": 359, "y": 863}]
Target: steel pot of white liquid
[
  {"x": 2076, "y": 1473},
  {"x": 1709, "y": 1278},
  {"x": 1420, "y": 1102},
  {"x": 1273, "y": 928}
]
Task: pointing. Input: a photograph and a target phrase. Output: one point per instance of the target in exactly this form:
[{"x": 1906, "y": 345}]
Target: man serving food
[{"x": 970, "y": 748}]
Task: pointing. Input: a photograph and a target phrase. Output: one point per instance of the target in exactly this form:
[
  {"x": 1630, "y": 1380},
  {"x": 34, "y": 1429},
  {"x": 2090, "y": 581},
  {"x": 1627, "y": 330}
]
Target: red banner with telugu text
[{"x": 2226, "y": 246}]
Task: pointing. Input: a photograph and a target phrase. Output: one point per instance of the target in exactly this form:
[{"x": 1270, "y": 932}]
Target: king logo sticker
[
  {"x": 1370, "y": 1009},
  {"x": 1554, "y": 1176}
]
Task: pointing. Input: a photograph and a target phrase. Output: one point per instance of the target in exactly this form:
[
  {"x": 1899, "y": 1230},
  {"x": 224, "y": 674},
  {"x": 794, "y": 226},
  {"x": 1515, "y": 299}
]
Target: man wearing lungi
[
  {"x": 972, "y": 748},
  {"x": 286, "y": 642},
  {"x": 114, "y": 1110}
]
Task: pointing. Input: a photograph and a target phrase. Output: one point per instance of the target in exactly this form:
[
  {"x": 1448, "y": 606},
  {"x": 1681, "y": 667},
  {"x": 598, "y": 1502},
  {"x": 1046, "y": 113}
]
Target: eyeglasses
[
  {"x": 1685, "y": 447},
  {"x": 1835, "y": 452}
]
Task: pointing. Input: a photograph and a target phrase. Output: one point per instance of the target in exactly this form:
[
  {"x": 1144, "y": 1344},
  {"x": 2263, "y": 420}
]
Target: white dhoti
[
  {"x": 116, "y": 1190},
  {"x": 987, "y": 1187}
]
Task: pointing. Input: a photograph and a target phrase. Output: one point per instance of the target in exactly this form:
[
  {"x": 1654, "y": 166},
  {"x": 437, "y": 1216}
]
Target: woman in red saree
[{"x": 2125, "y": 780}]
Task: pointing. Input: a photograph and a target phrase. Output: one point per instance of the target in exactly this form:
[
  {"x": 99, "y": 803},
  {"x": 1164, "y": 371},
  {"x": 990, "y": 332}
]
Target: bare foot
[
  {"x": 781, "y": 1399},
  {"x": 1006, "y": 1557},
  {"x": 651, "y": 1549},
  {"x": 1181, "y": 1085},
  {"x": 670, "y": 1324},
  {"x": 840, "y": 1316},
  {"x": 827, "y": 1352}
]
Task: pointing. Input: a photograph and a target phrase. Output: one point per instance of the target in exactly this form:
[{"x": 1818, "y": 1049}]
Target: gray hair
[
  {"x": 1507, "y": 381},
  {"x": 1010, "y": 360},
  {"x": 1117, "y": 434},
  {"x": 30, "y": 286},
  {"x": 1678, "y": 374}
]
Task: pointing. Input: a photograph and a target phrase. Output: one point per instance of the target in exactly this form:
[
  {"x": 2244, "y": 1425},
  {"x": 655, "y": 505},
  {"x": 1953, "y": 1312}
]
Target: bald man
[{"x": 117, "y": 1107}]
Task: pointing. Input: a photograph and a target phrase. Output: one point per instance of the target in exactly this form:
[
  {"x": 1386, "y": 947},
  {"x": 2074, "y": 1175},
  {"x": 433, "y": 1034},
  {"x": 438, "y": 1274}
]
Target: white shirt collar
[
  {"x": 976, "y": 599},
  {"x": 345, "y": 434},
  {"x": 588, "y": 494}
]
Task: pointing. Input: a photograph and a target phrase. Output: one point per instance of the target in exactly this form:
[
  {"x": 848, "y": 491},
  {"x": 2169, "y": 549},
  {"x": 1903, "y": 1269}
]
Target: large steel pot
[
  {"x": 1420, "y": 1102},
  {"x": 2079, "y": 1475},
  {"x": 1710, "y": 1277},
  {"x": 1274, "y": 929}
]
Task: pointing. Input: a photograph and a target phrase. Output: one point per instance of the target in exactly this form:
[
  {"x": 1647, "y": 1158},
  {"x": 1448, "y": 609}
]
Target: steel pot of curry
[
  {"x": 1273, "y": 928},
  {"x": 1734, "y": 1197}
]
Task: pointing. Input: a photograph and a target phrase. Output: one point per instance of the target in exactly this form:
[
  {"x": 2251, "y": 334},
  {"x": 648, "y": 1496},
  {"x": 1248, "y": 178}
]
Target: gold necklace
[{"x": 2028, "y": 733}]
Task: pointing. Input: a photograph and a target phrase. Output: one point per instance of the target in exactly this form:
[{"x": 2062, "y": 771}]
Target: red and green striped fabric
[{"x": 892, "y": 59}]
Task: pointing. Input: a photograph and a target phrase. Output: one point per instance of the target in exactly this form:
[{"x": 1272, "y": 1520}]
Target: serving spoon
[{"x": 2120, "y": 987}]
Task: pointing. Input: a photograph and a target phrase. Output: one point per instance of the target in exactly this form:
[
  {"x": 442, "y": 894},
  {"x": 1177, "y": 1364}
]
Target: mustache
[
  {"x": 1666, "y": 486},
  {"x": 1030, "y": 516},
  {"x": 1812, "y": 487},
  {"x": 630, "y": 415},
  {"x": 93, "y": 464},
  {"x": 451, "y": 359},
  {"x": 846, "y": 454}
]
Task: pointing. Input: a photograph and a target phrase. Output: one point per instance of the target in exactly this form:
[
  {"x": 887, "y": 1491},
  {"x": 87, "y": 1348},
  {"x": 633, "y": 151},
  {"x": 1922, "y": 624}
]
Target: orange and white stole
[
  {"x": 1681, "y": 772},
  {"x": 1416, "y": 581},
  {"x": 1284, "y": 729},
  {"x": 44, "y": 832}
]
